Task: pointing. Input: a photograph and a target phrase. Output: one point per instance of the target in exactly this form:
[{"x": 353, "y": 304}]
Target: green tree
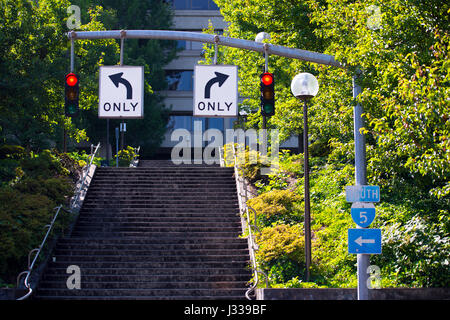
[
  {"x": 402, "y": 50},
  {"x": 152, "y": 54},
  {"x": 34, "y": 59}
]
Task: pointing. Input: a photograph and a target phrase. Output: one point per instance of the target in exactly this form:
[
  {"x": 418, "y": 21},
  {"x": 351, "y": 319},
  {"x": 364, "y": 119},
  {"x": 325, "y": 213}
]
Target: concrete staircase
[{"x": 158, "y": 231}]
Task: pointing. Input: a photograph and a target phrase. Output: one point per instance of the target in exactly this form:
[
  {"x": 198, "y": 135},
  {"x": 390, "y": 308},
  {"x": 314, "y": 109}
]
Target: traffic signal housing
[
  {"x": 72, "y": 94},
  {"x": 267, "y": 94}
]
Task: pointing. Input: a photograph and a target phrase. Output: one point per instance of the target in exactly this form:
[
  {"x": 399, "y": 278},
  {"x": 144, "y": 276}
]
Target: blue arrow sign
[
  {"x": 362, "y": 193},
  {"x": 364, "y": 241}
]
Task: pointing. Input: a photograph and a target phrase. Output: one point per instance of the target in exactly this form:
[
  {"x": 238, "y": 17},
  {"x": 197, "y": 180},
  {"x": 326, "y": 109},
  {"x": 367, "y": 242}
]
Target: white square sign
[
  {"x": 215, "y": 91},
  {"x": 121, "y": 92}
]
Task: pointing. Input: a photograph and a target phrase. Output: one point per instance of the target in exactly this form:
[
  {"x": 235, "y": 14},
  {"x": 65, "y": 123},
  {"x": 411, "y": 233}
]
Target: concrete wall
[{"x": 350, "y": 294}]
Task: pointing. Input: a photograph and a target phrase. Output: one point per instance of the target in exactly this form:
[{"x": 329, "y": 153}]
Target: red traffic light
[
  {"x": 267, "y": 78},
  {"x": 71, "y": 79}
]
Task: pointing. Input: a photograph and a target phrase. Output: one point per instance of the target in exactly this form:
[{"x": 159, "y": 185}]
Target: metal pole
[
  {"x": 122, "y": 135},
  {"x": 307, "y": 204},
  {"x": 264, "y": 119},
  {"x": 363, "y": 260},
  {"x": 216, "y": 49},
  {"x": 72, "y": 66},
  {"x": 117, "y": 147},
  {"x": 107, "y": 141},
  {"x": 294, "y": 53},
  {"x": 122, "y": 39}
]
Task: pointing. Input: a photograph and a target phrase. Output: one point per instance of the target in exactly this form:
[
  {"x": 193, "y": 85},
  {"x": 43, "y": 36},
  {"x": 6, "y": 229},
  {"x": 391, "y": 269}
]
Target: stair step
[
  {"x": 151, "y": 264},
  {"x": 145, "y": 285},
  {"x": 147, "y": 241},
  {"x": 153, "y": 272},
  {"x": 59, "y": 252},
  {"x": 203, "y": 293},
  {"x": 165, "y": 247},
  {"x": 155, "y": 235},
  {"x": 118, "y": 258},
  {"x": 139, "y": 195},
  {"x": 135, "y": 226},
  {"x": 131, "y": 297},
  {"x": 148, "y": 218},
  {"x": 126, "y": 278}
]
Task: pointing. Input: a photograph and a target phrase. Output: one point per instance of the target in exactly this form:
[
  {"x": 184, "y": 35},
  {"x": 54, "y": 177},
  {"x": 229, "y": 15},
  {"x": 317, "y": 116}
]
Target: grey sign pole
[
  {"x": 363, "y": 260},
  {"x": 117, "y": 147}
]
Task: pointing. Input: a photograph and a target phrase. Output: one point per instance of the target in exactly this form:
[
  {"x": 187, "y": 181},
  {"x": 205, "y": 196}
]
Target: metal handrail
[
  {"x": 244, "y": 208},
  {"x": 38, "y": 251},
  {"x": 85, "y": 174}
]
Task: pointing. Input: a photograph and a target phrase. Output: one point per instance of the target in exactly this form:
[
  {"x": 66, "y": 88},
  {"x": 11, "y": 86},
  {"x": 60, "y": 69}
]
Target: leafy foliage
[
  {"x": 401, "y": 50},
  {"x": 27, "y": 203},
  {"x": 280, "y": 252},
  {"x": 126, "y": 156},
  {"x": 277, "y": 205}
]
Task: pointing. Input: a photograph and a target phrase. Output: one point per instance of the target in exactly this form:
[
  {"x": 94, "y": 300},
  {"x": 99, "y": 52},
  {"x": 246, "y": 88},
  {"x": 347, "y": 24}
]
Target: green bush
[
  {"x": 11, "y": 152},
  {"x": 249, "y": 161},
  {"x": 43, "y": 165},
  {"x": 8, "y": 170},
  {"x": 126, "y": 156},
  {"x": 277, "y": 206},
  {"x": 27, "y": 205},
  {"x": 415, "y": 254},
  {"x": 281, "y": 252}
]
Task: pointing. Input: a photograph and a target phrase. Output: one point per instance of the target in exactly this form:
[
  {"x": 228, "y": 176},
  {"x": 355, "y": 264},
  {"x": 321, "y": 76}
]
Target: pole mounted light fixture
[{"x": 304, "y": 86}]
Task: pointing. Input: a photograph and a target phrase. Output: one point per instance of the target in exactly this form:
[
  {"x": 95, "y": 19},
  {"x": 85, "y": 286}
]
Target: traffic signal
[
  {"x": 72, "y": 93},
  {"x": 267, "y": 94}
]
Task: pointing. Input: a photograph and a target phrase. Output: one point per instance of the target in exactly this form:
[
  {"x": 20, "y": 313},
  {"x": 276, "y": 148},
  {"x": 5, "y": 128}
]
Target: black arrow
[
  {"x": 220, "y": 79},
  {"x": 117, "y": 78}
]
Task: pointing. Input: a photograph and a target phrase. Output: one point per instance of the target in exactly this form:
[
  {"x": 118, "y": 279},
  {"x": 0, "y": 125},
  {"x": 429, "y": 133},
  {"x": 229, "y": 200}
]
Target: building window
[
  {"x": 189, "y": 45},
  {"x": 180, "y": 80},
  {"x": 185, "y": 122},
  {"x": 194, "y": 5}
]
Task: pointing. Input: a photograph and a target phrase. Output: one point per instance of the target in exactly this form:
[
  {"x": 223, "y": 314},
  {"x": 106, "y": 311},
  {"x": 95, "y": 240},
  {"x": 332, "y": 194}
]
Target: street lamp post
[{"x": 304, "y": 86}]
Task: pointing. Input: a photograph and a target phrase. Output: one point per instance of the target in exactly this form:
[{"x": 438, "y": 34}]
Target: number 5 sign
[{"x": 363, "y": 213}]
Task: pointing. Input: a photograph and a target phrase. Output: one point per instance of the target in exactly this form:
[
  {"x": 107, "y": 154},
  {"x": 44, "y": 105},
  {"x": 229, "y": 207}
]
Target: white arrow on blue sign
[
  {"x": 363, "y": 213},
  {"x": 364, "y": 241},
  {"x": 362, "y": 193}
]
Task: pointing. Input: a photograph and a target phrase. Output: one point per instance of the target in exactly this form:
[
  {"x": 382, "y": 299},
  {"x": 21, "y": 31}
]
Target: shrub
[
  {"x": 44, "y": 165},
  {"x": 8, "y": 170},
  {"x": 277, "y": 205},
  {"x": 281, "y": 252},
  {"x": 250, "y": 161},
  {"x": 416, "y": 253},
  {"x": 126, "y": 156},
  {"x": 11, "y": 152},
  {"x": 27, "y": 205}
]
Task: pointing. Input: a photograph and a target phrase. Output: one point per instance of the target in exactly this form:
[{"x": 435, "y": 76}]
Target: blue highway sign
[
  {"x": 364, "y": 241},
  {"x": 362, "y": 193},
  {"x": 363, "y": 213}
]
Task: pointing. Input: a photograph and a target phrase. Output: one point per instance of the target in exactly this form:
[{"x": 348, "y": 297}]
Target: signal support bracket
[
  {"x": 266, "y": 57},
  {"x": 216, "y": 41},
  {"x": 123, "y": 34}
]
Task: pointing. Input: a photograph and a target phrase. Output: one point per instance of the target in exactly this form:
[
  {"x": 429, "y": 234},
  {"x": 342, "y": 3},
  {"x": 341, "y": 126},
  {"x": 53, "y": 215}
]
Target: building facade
[{"x": 193, "y": 16}]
